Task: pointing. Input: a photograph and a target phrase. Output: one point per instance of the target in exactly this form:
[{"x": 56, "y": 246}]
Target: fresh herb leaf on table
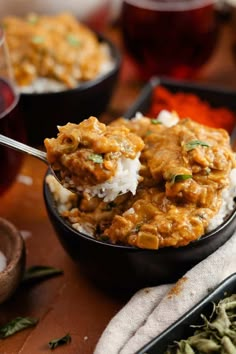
[
  {"x": 39, "y": 272},
  {"x": 16, "y": 325},
  {"x": 54, "y": 343}
]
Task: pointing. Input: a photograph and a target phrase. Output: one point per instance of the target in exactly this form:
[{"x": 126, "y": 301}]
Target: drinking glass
[
  {"x": 169, "y": 37},
  {"x": 11, "y": 123}
]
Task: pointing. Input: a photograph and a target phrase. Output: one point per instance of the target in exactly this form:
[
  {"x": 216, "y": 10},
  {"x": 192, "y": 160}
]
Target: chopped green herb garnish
[
  {"x": 104, "y": 238},
  {"x": 180, "y": 178},
  {"x": 109, "y": 206},
  {"x": 137, "y": 227},
  {"x": 149, "y": 132},
  {"x": 72, "y": 40},
  {"x": 39, "y": 272},
  {"x": 96, "y": 158},
  {"x": 16, "y": 325},
  {"x": 207, "y": 170},
  {"x": 32, "y": 19},
  {"x": 54, "y": 343},
  {"x": 37, "y": 39},
  {"x": 155, "y": 121},
  {"x": 194, "y": 143}
]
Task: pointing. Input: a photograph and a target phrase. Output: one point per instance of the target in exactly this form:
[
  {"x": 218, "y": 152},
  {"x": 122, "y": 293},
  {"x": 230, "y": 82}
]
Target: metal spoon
[{"x": 41, "y": 155}]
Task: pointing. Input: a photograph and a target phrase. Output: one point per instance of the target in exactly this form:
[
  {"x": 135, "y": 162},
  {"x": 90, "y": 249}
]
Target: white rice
[
  {"x": 62, "y": 196},
  {"x": 168, "y": 119},
  {"x": 228, "y": 195},
  {"x": 125, "y": 180}
]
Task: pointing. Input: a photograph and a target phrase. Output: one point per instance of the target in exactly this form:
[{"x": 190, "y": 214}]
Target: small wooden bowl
[{"x": 13, "y": 247}]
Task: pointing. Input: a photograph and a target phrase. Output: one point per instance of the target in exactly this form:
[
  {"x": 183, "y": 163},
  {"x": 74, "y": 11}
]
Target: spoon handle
[{"x": 14, "y": 144}]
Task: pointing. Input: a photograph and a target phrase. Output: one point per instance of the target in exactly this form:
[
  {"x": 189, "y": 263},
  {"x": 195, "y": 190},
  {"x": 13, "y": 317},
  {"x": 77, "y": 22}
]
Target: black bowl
[
  {"x": 182, "y": 329},
  {"x": 43, "y": 112},
  {"x": 125, "y": 268}
]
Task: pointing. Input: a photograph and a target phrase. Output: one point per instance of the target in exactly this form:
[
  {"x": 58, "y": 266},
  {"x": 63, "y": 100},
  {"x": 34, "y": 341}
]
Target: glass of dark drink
[
  {"x": 169, "y": 37},
  {"x": 11, "y": 123}
]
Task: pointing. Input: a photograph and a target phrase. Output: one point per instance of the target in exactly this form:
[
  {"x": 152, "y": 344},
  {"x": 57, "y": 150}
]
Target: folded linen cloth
[{"x": 151, "y": 310}]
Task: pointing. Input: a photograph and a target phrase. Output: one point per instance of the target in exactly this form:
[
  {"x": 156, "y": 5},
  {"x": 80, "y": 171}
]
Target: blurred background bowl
[
  {"x": 94, "y": 13},
  {"x": 125, "y": 268},
  {"x": 43, "y": 112},
  {"x": 13, "y": 248}
]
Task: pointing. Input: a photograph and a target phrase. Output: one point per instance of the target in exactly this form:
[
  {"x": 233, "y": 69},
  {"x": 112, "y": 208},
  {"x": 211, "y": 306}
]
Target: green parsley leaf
[
  {"x": 37, "y": 39},
  {"x": 72, "y": 40},
  {"x": 180, "y": 178},
  {"x": 16, "y": 325},
  {"x": 39, "y": 272},
  {"x": 32, "y": 19},
  {"x": 194, "y": 143},
  {"x": 96, "y": 158},
  {"x": 155, "y": 121},
  {"x": 54, "y": 343}
]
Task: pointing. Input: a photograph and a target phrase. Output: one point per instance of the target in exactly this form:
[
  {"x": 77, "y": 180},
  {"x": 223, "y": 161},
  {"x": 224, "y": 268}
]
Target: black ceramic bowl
[
  {"x": 42, "y": 112},
  {"x": 182, "y": 329},
  {"x": 125, "y": 268}
]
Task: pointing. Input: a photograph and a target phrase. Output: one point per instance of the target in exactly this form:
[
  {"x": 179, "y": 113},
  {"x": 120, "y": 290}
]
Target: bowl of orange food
[
  {"x": 64, "y": 70},
  {"x": 152, "y": 196}
]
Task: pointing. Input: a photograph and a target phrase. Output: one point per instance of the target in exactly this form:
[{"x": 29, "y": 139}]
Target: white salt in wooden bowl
[{"x": 12, "y": 259}]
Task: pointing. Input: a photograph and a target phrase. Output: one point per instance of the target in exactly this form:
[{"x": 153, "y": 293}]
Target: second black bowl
[{"x": 43, "y": 112}]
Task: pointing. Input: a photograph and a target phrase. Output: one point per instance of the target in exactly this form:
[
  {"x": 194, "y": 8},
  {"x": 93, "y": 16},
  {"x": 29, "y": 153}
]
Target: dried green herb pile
[{"x": 217, "y": 334}]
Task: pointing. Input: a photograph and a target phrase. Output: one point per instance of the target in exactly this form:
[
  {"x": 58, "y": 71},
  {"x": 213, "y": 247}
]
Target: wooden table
[{"x": 70, "y": 302}]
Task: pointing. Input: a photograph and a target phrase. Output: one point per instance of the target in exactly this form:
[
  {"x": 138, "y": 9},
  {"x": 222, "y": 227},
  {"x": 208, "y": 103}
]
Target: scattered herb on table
[
  {"x": 16, "y": 325},
  {"x": 39, "y": 272},
  {"x": 216, "y": 335},
  {"x": 54, "y": 343}
]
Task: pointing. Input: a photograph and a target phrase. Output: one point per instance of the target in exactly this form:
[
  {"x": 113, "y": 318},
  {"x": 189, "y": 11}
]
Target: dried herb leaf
[
  {"x": 16, "y": 325},
  {"x": 216, "y": 335},
  {"x": 39, "y": 272},
  {"x": 54, "y": 343},
  {"x": 180, "y": 178},
  {"x": 194, "y": 143},
  {"x": 96, "y": 158}
]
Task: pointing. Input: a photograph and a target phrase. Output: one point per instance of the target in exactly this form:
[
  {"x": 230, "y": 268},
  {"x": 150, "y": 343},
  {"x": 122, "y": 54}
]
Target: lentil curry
[{"x": 184, "y": 169}]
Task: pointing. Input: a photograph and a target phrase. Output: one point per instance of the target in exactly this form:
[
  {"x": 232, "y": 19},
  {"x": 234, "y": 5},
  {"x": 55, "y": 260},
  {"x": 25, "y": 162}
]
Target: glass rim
[{"x": 171, "y": 5}]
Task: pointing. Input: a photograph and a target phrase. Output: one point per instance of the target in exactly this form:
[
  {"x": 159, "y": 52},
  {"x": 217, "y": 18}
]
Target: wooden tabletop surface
[{"x": 70, "y": 303}]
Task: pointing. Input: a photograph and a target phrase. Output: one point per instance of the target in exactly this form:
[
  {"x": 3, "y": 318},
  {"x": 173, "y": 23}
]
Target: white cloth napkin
[{"x": 152, "y": 310}]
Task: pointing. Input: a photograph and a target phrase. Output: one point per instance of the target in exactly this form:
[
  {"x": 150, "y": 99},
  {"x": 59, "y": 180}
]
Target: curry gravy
[{"x": 184, "y": 170}]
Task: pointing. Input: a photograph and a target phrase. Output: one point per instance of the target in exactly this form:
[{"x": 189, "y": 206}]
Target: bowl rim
[
  {"x": 50, "y": 203},
  {"x": 18, "y": 247},
  {"x": 116, "y": 56}
]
